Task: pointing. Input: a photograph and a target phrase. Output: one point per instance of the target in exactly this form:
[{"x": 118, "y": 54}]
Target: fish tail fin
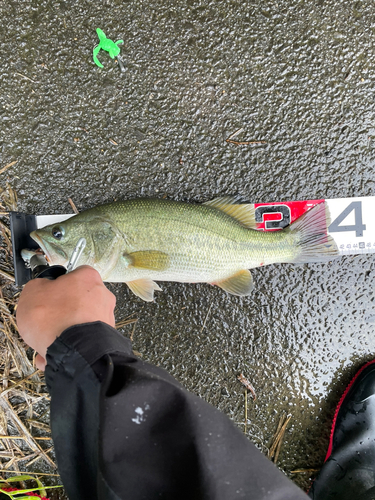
[{"x": 312, "y": 240}]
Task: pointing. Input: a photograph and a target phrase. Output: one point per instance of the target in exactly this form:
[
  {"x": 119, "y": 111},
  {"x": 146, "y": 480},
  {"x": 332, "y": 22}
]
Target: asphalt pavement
[{"x": 299, "y": 78}]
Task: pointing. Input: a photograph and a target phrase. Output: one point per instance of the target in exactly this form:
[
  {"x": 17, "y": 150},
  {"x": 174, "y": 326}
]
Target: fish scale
[{"x": 204, "y": 244}]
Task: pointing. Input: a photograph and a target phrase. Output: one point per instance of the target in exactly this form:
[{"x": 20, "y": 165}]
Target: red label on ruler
[{"x": 274, "y": 216}]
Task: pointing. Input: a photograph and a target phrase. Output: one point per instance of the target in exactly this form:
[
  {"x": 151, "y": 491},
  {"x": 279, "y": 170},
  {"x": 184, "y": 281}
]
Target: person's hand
[{"x": 46, "y": 308}]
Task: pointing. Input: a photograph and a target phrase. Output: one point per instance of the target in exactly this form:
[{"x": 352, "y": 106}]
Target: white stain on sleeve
[{"x": 140, "y": 414}]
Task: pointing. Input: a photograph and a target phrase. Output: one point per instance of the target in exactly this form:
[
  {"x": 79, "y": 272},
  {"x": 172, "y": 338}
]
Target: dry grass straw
[
  {"x": 304, "y": 471},
  {"x": 126, "y": 321},
  {"x": 277, "y": 440},
  {"x": 74, "y": 208},
  {"x": 24, "y": 437},
  {"x": 4, "y": 169}
]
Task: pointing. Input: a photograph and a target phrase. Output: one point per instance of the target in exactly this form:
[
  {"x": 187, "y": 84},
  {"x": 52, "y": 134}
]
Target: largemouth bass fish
[{"x": 141, "y": 241}]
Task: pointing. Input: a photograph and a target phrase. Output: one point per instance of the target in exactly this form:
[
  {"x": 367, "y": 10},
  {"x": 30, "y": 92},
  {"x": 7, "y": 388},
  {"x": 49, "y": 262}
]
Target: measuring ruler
[{"x": 352, "y": 223}]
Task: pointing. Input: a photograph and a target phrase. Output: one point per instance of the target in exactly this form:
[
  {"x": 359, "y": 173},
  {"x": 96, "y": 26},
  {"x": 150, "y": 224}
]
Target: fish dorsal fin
[
  {"x": 243, "y": 213},
  {"x": 144, "y": 288},
  {"x": 148, "y": 259},
  {"x": 240, "y": 283}
]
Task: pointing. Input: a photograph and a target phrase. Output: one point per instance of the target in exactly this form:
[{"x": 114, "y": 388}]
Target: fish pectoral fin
[
  {"x": 243, "y": 213},
  {"x": 240, "y": 283},
  {"x": 148, "y": 259},
  {"x": 144, "y": 288}
]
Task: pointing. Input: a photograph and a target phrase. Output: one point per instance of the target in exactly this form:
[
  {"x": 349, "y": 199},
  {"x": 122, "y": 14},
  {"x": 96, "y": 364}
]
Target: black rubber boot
[{"x": 348, "y": 472}]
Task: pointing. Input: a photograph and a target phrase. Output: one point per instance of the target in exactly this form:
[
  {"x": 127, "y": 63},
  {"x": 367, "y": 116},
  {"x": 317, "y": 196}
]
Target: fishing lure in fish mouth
[
  {"x": 143, "y": 241},
  {"x": 107, "y": 45}
]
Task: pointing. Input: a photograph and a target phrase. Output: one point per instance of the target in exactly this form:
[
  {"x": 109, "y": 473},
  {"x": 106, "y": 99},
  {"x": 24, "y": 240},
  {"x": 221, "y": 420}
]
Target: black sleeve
[{"x": 125, "y": 429}]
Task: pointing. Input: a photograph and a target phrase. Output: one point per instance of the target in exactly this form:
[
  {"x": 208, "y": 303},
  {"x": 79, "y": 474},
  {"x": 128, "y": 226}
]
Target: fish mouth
[
  {"x": 39, "y": 240},
  {"x": 43, "y": 247}
]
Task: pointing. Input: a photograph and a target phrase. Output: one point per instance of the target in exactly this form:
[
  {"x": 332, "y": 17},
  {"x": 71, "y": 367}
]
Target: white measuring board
[
  {"x": 352, "y": 223},
  {"x": 46, "y": 220}
]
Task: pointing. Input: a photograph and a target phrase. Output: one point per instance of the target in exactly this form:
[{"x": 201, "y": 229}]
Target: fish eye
[{"x": 58, "y": 232}]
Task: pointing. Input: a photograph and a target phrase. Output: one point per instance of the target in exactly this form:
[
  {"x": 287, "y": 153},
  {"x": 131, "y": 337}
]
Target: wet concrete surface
[{"x": 296, "y": 74}]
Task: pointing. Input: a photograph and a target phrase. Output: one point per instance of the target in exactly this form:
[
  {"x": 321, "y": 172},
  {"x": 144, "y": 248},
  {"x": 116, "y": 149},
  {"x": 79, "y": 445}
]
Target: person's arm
[
  {"x": 47, "y": 307},
  {"x": 125, "y": 429}
]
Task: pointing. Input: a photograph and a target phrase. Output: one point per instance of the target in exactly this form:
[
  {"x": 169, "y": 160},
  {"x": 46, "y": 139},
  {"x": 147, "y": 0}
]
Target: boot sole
[{"x": 350, "y": 385}]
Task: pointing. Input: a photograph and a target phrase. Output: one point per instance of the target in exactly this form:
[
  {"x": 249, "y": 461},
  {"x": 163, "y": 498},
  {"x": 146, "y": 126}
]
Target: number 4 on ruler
[{"x": 358, "y": 226}]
